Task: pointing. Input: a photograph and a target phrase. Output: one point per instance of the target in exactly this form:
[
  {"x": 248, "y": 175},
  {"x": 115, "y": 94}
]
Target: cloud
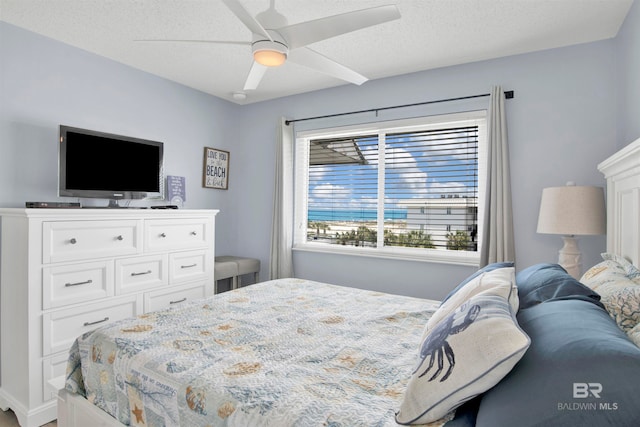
[
  {"x": 330, "y": 191},
  {"x": 409, "y": 175}
]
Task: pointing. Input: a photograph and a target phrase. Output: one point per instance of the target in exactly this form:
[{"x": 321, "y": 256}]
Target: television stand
[
  {"x": 113, "y": 204},
  {"x": 97, "y": 251}
]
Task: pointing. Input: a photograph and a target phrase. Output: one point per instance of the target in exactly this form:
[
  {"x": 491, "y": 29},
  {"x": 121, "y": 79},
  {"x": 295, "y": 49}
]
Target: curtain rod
[{"x": 507, "y": 94}]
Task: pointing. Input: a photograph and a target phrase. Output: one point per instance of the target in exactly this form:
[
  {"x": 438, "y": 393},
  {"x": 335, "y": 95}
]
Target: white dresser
[{"x": 67, "y": 271}]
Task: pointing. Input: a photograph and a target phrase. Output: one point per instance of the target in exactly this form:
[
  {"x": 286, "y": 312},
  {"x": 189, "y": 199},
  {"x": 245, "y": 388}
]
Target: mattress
[{"x": 280, "y": 353}]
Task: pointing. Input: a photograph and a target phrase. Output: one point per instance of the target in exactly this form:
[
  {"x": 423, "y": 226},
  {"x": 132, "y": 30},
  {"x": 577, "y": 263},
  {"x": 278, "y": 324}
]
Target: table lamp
[{"x": 570, "y": 211}]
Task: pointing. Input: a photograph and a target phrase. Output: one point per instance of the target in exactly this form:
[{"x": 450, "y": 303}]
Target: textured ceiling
[{"x": 430, "y": 34}]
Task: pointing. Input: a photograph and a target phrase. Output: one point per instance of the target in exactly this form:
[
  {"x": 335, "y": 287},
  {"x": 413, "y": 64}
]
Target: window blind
[
  {"x": 343, "y": 189},
  {"x": 431, "y": 181},
  {"x": 416, "y": 189}
]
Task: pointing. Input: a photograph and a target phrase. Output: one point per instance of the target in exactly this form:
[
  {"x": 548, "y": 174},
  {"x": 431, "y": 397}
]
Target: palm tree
[
  {"x": 459, "y": 241},
  {"x": 414, "y": 239},
  {"x": 357, "y": 237},
  {"x": 319, "y": 225}
]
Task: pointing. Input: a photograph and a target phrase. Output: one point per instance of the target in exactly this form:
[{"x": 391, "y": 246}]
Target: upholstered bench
[
  {"x": 225, "y": 270},
  {"x": 243, "y": 266}
]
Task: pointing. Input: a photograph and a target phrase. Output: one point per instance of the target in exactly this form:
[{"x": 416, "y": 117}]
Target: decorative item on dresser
[{"x": 65, "y": 272}]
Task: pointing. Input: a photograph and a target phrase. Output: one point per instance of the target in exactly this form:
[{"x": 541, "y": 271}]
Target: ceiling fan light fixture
[
  {"x": 269, "y": 53},
  {"x": 269, "y": 58}
]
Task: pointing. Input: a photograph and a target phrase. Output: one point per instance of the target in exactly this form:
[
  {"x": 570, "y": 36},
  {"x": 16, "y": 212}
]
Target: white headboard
[{"x": 622, "y": 172}]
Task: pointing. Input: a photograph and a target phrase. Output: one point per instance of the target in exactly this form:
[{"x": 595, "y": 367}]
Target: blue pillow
[
  {"x": 544, "y": 282},
  {"x": 580, "y": 370},
  {"x": 466, "y": 414},
  {"x": 485, "y": 269}
]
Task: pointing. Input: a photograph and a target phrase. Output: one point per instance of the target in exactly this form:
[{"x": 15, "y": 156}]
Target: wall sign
[{"x": 216, "y": 169}]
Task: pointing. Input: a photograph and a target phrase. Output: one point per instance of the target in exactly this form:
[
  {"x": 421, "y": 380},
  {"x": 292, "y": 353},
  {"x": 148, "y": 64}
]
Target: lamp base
[{"x": 569, "y": 257}]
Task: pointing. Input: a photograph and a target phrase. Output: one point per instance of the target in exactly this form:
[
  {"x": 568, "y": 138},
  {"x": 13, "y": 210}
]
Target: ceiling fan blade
[
  {"x": 194, "y": 41},
  {"x": 249, "y": 21},
  {"x": 304, "y": 33},
  {"x": 254, "y": 77},
  {"x": 316, "y": 61}
]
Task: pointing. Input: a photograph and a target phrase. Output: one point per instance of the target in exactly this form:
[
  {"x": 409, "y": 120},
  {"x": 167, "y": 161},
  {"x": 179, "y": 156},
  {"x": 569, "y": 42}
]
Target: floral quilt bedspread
[{"x": 286, "y": 352}]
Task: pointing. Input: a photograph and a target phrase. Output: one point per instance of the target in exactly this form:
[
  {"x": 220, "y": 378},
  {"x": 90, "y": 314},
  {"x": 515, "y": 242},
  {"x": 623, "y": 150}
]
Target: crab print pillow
[
  {"x": 495, "y": 280},
  {"x": 469, "y": 351}
]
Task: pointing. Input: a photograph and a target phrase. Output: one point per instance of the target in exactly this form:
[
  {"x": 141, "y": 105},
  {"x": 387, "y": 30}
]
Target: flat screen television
[{"x": 107, "y": 166}]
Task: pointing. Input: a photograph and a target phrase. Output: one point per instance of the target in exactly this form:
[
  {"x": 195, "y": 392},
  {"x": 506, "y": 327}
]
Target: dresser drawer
[
  {"x": 70, "y": 284},
  {"x": 78, "y": 240},
  {"x": 53, "y": 375},
  {"x": 170, "y": 234},
  {"x": 157, "y": 300},
  {"x": 60, "y": 328},
  {"x": 139, "y": 273},
  {"x": 188, "y": 266}
]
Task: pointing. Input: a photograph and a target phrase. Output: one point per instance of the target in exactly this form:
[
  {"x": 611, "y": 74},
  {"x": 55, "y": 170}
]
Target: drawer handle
[
  {"x": 188, "y": 266},
  {"x": 141, "y": 273},
  {"x": 73, "y": 241},
  {"x": 163, "y": 235},
  {"x": 193, "y": 233},
  {"x": 178, "y": 301},
  {"x": 96, "y": 322},
  {"x": 120, "y": 237},
  {"x": 86, "y": 282}
]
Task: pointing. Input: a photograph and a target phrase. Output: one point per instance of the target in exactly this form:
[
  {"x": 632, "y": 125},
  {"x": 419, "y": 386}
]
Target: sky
[{"x": 413, "y": 170}]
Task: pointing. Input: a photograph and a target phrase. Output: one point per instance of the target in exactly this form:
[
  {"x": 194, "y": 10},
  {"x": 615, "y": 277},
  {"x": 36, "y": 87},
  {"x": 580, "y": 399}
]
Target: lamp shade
[{"x": 572, "y": 210}]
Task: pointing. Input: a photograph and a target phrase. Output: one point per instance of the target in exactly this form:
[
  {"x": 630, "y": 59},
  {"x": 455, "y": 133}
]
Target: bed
[
  {"x": 534, "y": 347},
  {"x": 283, "y": 352}
]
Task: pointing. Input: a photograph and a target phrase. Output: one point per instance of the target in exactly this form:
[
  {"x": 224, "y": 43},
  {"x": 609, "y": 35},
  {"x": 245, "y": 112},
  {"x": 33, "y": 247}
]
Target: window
[{"x": 404, "y": 188}]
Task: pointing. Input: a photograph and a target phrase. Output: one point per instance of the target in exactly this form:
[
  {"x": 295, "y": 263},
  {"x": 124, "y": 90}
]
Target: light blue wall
[
  {"x": 561, "y": 125},
  {"x": 569, "y": 113},
  {"x": 44, "y": 83},
  {"x": 628, "y": 77}
]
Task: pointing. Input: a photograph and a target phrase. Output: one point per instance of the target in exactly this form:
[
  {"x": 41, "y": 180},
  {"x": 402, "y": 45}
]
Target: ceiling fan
[{"x": 274, "y": 41}]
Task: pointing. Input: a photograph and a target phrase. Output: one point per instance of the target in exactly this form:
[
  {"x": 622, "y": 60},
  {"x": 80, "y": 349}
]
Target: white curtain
[
  {"x": 498, "y": 242},
  {"x": 282, "y": 223}
]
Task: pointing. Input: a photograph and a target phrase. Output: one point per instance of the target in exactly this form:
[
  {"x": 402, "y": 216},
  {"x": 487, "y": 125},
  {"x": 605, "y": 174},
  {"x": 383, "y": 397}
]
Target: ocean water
[{"x": 354, "y": 214}]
